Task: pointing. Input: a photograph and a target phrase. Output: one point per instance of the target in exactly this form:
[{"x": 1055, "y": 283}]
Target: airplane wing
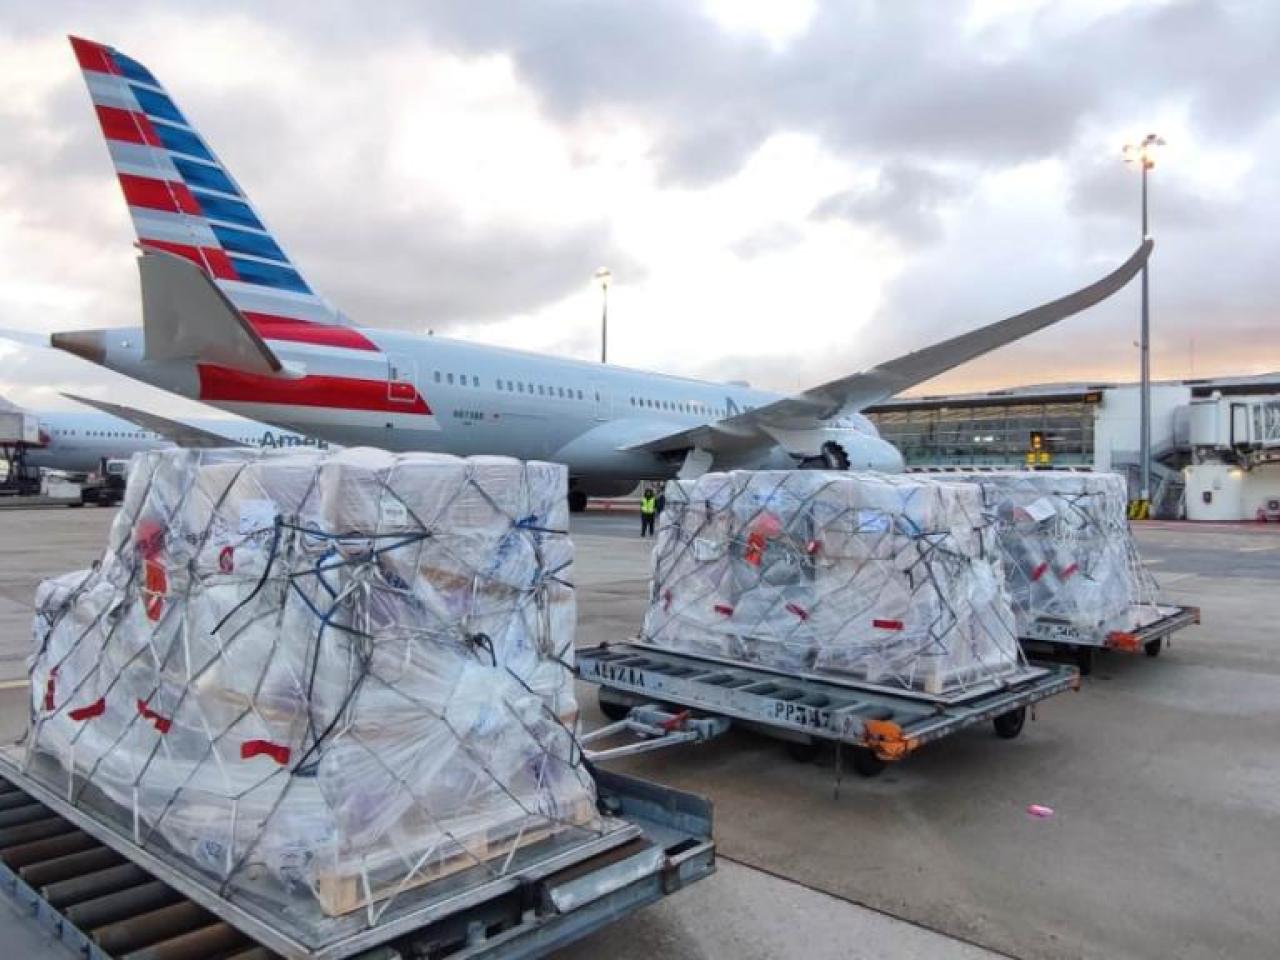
[
  {"x": 801, "y": 411},
  {"x": 182, "y": 434}
]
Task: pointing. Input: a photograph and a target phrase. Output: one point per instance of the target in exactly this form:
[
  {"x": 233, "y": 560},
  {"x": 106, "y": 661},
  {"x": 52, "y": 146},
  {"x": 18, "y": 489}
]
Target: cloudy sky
[{"x": 783, "y": 191}]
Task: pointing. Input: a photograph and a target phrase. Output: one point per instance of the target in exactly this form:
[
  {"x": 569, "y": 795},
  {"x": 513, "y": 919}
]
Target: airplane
[
  {"x": 230, "y": 320},
  {"x": 78, "y": 441}
]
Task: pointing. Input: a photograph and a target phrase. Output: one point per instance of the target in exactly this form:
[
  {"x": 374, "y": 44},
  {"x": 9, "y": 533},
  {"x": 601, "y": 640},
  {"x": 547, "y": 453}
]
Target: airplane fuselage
[
  {"x": 403, "y": 391},
  {"x": 77, "y": 442}
]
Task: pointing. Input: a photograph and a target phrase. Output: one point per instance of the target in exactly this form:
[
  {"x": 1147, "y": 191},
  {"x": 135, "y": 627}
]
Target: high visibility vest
[{"x": 648, "y": 505}]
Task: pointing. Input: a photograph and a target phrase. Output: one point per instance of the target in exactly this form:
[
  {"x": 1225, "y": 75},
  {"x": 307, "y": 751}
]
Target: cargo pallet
[
  {"x": 878, "y": 725},
  {"x": 1148, "y": 629},
  {"x": 87, "y": 884}
]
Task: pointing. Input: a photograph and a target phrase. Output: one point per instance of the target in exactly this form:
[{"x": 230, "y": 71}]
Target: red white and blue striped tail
[{"x": 184, "y": 202}]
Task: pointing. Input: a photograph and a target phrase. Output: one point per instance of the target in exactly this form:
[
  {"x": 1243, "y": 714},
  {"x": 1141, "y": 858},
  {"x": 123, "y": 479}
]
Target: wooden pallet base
[{"x": 341, "y": 893}]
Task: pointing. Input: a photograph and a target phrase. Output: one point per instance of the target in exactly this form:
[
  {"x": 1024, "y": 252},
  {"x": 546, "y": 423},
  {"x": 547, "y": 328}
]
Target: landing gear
[
  {"x": 1153, "y": 647},
  {"x": 577, "y": 501},
  {"x": 832, "y": 457}
]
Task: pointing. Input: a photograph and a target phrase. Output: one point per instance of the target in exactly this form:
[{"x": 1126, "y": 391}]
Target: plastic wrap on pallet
[
  {"x": 1069, "y": 555},
  {"x": 323, "y": 677},
  {"x": 892, "y": 580}
]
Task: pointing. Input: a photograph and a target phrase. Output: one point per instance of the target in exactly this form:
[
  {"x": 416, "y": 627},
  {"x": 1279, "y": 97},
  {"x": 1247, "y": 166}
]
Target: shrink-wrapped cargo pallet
[
  {"x": 889, "y": 580},
  {"x": 1069, "y": 556},
  {"x": 327, "y": 677}
]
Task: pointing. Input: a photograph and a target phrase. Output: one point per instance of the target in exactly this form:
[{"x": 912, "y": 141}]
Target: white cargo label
[{"x": 256, "y": 515}]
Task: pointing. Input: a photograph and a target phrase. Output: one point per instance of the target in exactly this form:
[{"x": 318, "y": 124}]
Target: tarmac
[{"x": 1163, "y": 775}]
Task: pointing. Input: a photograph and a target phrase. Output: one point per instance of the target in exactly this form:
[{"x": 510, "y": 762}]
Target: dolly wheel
[
  {"x": 1084, "y": 660},
  {"x": 1153, "y": 647},
  {"x": 867, "y": 763},
  {"x": 1009, "y": 725},
  {"x": 612, "y": 709},
  {"x": 803, "y": 751}
]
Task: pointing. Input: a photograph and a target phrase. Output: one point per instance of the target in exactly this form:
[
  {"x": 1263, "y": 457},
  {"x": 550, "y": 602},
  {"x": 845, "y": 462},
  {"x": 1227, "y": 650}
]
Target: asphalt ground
[
  {"x": 1163, "y": 774},
  {"x": 740, "y": 913}
]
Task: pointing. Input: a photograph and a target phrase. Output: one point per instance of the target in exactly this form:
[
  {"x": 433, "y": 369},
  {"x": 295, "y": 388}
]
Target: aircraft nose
[
  {"x": 891, "y": 460},
  {"x": 83, "y": 343}
]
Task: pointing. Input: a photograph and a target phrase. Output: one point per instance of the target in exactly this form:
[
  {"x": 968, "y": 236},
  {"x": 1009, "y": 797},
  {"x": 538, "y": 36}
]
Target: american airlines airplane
[
  {"x": 78, "y": 442},
  {"x": 229, "y": 319}
]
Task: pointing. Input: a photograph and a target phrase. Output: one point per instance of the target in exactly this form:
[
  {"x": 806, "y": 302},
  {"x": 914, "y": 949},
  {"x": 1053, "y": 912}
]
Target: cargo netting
[
  {"x": 1069, "y": 555},
  {"x": 324, "y": 678},
  {"x": 888, "y": 580}
]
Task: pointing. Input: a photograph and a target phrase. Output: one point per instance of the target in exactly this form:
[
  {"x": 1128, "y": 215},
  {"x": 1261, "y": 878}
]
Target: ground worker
[{"x": 648, "y": 510}]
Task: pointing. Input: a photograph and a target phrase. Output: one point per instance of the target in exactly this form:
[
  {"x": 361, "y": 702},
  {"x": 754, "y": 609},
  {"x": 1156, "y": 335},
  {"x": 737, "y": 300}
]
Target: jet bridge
[
  {"x": 1244, "y": 429},
  {"x": 1235, "y": 449}
]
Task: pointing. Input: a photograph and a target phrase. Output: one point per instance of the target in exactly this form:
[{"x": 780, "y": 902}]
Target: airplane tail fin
[{"x": 184, "y": 202}]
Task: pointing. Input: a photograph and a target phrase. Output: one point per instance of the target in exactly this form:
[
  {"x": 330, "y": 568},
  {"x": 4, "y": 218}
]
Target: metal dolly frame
[
  {"x": 1081, "y": 641},
  {"x": 881, "y": 726},
  {"x": 540, "y": 911}
]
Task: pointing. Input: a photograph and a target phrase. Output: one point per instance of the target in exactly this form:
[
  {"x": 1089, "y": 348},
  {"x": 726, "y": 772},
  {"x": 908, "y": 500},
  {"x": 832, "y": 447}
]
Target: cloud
[
  {"x": 779, "y": 201},
  {"x": 905, "y": 202}
]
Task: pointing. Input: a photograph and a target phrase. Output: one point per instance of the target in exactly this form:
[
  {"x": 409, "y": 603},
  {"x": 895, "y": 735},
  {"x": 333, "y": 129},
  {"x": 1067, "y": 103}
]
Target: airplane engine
[{"x": 850, "y": 449}]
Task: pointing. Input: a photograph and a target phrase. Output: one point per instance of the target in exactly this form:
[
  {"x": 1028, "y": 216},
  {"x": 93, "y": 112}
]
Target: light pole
[
  {"x": 603, "y": 276},
  {"x": 1143, "y": 154}
]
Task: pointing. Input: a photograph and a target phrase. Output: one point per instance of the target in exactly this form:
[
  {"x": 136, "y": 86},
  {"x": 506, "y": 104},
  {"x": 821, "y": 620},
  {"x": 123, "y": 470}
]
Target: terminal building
[{"x": 1215, "y": 442}]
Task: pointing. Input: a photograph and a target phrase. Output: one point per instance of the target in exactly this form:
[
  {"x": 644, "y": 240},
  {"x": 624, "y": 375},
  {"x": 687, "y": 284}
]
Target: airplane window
[
  {"x": 437, "y": 376},
  {"x": 449, "y": 377},
  {"x": 597, "y": 396},
  {"x": 540, "y": 389},
  {"x": 560, "y": 392},
  {"x": 499, "y": 383},
  {"x": 579, "y": 394},
  {"x": 520, "y": 387}
]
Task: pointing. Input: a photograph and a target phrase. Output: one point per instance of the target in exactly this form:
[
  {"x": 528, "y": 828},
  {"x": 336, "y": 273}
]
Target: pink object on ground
[{"x": 1039, "y": 812}]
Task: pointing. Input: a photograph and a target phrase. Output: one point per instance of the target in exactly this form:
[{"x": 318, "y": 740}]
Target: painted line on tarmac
[
  {"x": 13, "y": 684},
  {"x": 814, "y": 888}
]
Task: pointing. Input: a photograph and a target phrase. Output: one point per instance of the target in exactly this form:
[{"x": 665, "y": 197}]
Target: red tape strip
[
  {"x": 887, "y": 624},
  {"x": 724, "y": 611},
  {"x": 95, "y": 709},
  {"x": 49, "y": 686},
  {"x": 253, "y": 748},
  {"x": 162, "y": 724},
  {"x": 798, "y": 610},
  {"x": 1038, "y": 572}
]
